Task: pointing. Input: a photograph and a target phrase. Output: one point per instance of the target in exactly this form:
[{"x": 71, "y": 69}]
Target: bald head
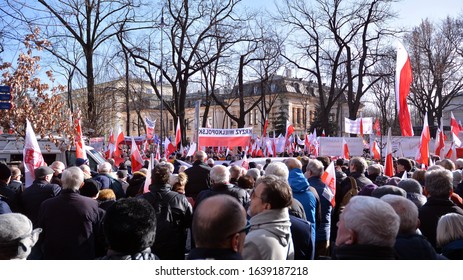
[{"x": 216, "y": 219}]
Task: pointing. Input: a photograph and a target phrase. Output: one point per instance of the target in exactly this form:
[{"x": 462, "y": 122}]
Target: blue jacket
[{"x": 323, "y": 230}]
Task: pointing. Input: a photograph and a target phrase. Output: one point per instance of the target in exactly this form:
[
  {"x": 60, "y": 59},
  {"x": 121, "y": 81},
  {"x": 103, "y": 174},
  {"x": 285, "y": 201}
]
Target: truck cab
[{"x": 11, "y": 152}]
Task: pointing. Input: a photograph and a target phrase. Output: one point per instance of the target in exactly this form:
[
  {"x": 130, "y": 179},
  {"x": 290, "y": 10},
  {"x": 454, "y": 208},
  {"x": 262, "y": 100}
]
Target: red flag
[
  {"x": 323, "y": 133},
  {"x": 423, "y": 152},
  {"x": 178, "y": 134},
  {"x": 289, "y": 129},
  {"x": 345, "y": 149},
  {"x": 329, "y": 179},
  {"x": 403, "y": 79},
  {"x": 455, "y": 128},
  {"x": 375, "y": 151},
  {"x": 135, "y": 157},
  {"x": 32, "y": 155},
  {"x": 80, "y": 150},
  {"x": 377, "y": 128},
  {"x": 119, "y": 140},
  {"x": 264, "y": 132},
  {"x": 361, "y": 127},
  {"x": 440, "y": 144},
  {"x": 451, "y": 153},
  {"x": 111, "y": 145},
  {"x": 389, "y": 165}
]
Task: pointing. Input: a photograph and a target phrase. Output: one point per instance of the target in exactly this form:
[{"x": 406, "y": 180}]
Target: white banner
[
  {"x": 211, "y": 137},
  {"x": 353, "y": 126}
]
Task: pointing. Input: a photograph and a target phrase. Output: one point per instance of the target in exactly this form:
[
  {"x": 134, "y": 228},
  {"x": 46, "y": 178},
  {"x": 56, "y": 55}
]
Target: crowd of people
[{"x": 278, "y": 211}]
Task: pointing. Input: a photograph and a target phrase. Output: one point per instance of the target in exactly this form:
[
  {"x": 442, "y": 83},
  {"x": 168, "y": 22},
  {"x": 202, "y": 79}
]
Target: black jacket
[
  {"x": 363, "y": 252},
  {"x": 430, "y": 213},
  {"x": 414, "y": 247},
  {"x": 34, "y": 195},
  {"x": 170, "y": 237},
  {"x": 71, "y": 226},
  {"x": 198, "y": 179}
]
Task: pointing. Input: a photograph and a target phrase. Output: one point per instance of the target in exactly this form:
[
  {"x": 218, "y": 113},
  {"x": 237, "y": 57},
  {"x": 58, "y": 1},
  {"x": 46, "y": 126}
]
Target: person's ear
[
  {"x": 235, "y": 242},
  {"x": 352, "y": 237}
]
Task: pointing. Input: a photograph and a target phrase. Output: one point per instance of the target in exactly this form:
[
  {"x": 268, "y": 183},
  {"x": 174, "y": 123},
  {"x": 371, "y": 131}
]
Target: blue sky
[{"x": 411, "y": 12}]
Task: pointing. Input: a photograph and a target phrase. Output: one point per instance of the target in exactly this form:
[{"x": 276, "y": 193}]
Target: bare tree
[
  {"x": 337, "y": 42},
  {"x": 437, "y": 66},
  {"x": 89, "y": 23},
  {"x": 190, "y": 25}
]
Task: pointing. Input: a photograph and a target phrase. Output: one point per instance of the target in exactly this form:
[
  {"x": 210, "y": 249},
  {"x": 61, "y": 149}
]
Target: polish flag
[
  {"x": 439, "y": 144},
  {"x": 403, "y": 79},
  {"x": 451, "y": 153},
  {"x": 169, "y": 148},
  {"x": 135, "y": 157},
  {"x": 422, "y": 156},
  {"x": 389, "y": 165},
  {"x": 375, "y": 151},
  {"x": 111, "y": 145},
  {"x": 119, "y": 140},
  {"x": 361, "y": 128},
  {"x": 32, "y": 155},
  {"x": 377, "y": 128},
  {"x": 345, "y": 149},
  {"x": 323, "y": 133},
  {"x": 80, "y": 145},
  {"x": 455, "y": 128},
  {"x": 289, "y": 131},
  {"x": 146, "y": 187},
  {"x": 191, "y": 150},
  {"x": 178, "y": 134},
  {"x": 329, "y": 179}
]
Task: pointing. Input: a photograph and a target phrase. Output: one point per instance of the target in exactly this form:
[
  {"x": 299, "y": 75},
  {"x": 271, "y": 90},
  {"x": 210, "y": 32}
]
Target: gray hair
[
  {"x": 407, "y": 211},
  {"x": 374, "y": 221},
  {"x": 200, "y": 155},
  {"x": 359, "y": 163},
  {"x": 439, "y": 182},
  {"x": 449, "y": 228},
  {"x": 72, "y": 178},
  {"x": 219, "y": 174},
  {"x": 104, "y": 167},
  {"x": 316, "y": 167},
  {"x": 459, "y": 163},
  {"x": 254, "y": 173},
  {"x": 278, "y": 169},
  {"x": 374, "y": 169},
  {"x": 410, "y": 186}
]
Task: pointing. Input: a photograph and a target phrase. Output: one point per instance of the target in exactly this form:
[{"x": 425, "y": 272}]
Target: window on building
[
  {"x": 273, "y": 87},
  {"x": 171, "y": 125}
]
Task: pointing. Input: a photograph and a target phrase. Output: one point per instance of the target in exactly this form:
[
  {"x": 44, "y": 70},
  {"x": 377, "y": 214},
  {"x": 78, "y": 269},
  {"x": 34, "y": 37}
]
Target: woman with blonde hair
[{"x": 449, "y": 236}]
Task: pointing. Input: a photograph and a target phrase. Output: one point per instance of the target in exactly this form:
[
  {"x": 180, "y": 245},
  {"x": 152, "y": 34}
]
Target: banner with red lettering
[{"x": 211, "y": 137}]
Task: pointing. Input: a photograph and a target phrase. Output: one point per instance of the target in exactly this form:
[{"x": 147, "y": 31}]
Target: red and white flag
[
  {"x": 32, "y": 155},
  {"x": 146, "y": 187},
  {"x": 169, "y": 148},
  {"x": 289, "y": 131},
  {"x": 191, "y": 150},
  {"x": 264, "y": 132},
  {"x": 111, "y": 145},
  {"x": 329, "y": 179},
  {"x": 135, "y": 157},
  {"x": 375, "y": 151},
  {"x": 377, "y": 128},
  {"x": 403, "y": 79},
  {"x": 455, "y": 128},
  {"x": 439, "y": 144},
  {"x": 178, "y": 134},
  {"x": 119, "y": 140},
  {"x": 389, "y": 165},
  {"x": 451, "y": 153},
  {"x": 345, "y": 149},
  {"x": 422, "y": 156},
  {"x": 323, "y": 133},
  {"x": 361, "y": 127},
  {"x": 149, "y": 125},
  {"x": 80, "y": 145}
]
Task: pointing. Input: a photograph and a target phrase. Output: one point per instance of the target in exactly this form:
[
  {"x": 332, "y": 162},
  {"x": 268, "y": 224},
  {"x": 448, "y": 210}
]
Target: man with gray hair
[
  {"x": 70, "y": 222},
  {"x": 107, "y": 181},
  {"x": 438, "y": 188},
  {"x": 409, "y": 245},
  {"x": 220, "y": 178},
  {"x": 17, "y": 236},
  {"x": 198, "y": 175},
  {"x": 367, "y": 230}
]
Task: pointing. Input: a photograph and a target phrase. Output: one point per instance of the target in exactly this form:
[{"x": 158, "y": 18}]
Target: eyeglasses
[
  {"x": 254, "y": 195},
  {"x": 245, "y": 229}
]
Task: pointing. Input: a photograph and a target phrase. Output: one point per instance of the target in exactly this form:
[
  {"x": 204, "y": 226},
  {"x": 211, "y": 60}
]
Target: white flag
[{"x": 31, "y": 154}]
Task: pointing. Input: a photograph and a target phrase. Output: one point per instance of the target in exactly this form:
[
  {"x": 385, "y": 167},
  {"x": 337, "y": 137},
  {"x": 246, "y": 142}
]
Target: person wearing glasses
[
  {"x": 270, "y": 235},
  {"x": 219, "y": 228}
]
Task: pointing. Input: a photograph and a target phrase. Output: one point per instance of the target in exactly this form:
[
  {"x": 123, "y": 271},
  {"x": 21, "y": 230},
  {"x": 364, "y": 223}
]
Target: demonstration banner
[
  {"x": 353, "y": 126},
  {"x": 211, "y": 137}
]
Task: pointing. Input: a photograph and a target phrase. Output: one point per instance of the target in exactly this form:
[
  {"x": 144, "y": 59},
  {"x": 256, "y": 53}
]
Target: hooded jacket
[
  {"x": 269, "y": 237},
  {"x": 300, "y": 187}
]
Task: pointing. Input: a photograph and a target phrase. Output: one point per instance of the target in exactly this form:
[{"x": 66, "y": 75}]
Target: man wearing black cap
[
  {"x": 40, "y": 190},
  {"x": 7, "y": 195}
]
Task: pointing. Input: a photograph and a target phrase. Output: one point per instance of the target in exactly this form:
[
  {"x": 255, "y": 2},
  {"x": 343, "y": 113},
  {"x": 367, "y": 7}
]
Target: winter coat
[
  {"x": 198, "y": 179},
  {"x": 414, "y": 247},
  {"x": 364, "y": 252},
  {"x": 269, "y": 237},
  {"x": 240, "y": 194},
  {"x": 34, "y": 195},
  {"x": 323, "y": 229},
  {"x": 453, "y": 250},
  {"x": 71, "y": 225}
]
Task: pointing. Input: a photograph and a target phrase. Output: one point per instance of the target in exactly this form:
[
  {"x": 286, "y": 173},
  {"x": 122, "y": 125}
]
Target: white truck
[{"x": 11, "y": 152}]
